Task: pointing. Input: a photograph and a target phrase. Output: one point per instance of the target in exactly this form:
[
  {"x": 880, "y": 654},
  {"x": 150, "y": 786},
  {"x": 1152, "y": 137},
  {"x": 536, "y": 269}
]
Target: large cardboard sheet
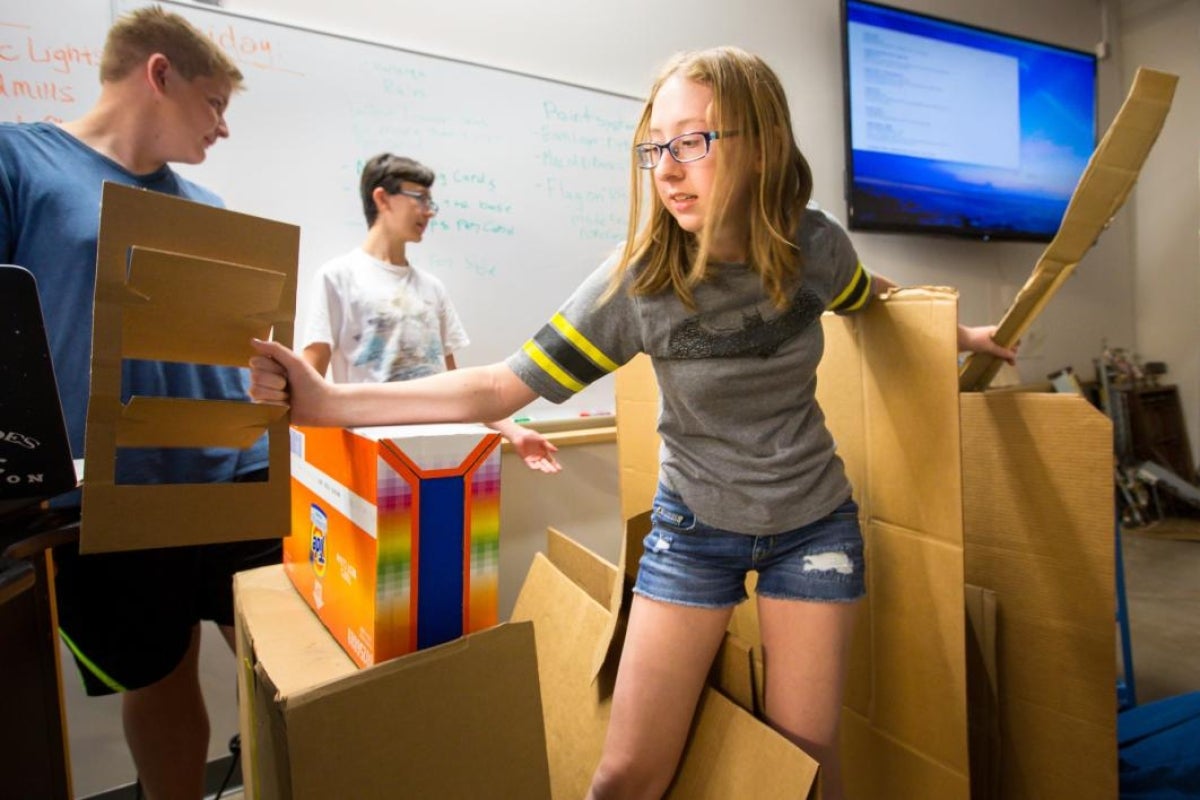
[
  {"x": 186, "y": 282},
  {"x": 1038, "y": 497}
]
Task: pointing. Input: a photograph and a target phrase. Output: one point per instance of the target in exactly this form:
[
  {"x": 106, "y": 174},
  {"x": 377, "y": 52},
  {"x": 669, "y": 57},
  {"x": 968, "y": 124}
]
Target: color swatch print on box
[{"x": 396, "y": 533}]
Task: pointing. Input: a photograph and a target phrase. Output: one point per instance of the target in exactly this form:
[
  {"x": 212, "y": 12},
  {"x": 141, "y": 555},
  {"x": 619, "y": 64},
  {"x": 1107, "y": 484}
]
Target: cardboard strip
[
  {"x": 154, "y": 422},
  {"x": 1101, "y": 191},
  {"x": 199, "y": 310}
]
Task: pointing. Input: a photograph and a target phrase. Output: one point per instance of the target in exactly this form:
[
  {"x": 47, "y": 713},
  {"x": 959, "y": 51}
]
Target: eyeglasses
[
  {"x": 423, "y": 200},
  {"x": 683, "y": 148}
]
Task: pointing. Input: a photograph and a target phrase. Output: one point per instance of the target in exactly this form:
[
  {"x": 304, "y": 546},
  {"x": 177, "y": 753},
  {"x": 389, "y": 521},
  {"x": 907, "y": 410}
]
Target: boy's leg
[
  {"x": 166, "y": 727},
  {"x": 666, "y": 658},
  {"x": 130, "y": 620}
]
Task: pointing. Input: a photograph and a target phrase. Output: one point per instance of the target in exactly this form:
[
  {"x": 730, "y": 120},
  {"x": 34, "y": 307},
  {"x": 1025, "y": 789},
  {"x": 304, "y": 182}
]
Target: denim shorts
[{"x": 689, "y": 563}]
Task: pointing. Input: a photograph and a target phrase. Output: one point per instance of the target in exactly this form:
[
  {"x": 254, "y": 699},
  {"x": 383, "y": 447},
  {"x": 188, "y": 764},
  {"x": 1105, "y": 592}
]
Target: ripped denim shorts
[{"x": 693, "y": 564}]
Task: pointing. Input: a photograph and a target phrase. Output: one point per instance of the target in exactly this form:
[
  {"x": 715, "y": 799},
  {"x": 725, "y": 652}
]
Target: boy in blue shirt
[{"x": 132, "y": 618}]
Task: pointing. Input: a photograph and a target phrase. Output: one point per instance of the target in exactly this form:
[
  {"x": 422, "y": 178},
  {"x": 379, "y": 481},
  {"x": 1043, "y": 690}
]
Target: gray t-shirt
[{"x": 743, "y": 439}]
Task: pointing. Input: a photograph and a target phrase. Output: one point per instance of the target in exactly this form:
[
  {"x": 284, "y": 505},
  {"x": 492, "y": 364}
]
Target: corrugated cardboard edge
[{"x": 1102, "y": 189}]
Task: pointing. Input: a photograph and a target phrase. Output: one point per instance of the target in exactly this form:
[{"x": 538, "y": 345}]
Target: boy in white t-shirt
[{"x": 375, "y": 318}]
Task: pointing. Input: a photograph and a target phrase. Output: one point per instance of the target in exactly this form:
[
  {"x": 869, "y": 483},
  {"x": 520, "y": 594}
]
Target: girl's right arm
[{"x": 475, "y": 394}]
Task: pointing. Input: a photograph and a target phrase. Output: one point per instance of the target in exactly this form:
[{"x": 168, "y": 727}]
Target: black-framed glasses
[
  {"x": 424, "y": 200},
  {"x": 685, "y": 147}
]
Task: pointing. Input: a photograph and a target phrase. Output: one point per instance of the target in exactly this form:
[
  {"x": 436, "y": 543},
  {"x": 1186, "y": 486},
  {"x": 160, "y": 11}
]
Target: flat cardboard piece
[
  {"x": 461, "y": 720},
  {"x": 888, "y": 387},
  {"x": 1038, "y": 498},
  {"x": 729, "y": 753},
  {"x": 1102, "y": 189},
  {"x": 637, "y": 435},
  {"x": 183, "y": 281}
]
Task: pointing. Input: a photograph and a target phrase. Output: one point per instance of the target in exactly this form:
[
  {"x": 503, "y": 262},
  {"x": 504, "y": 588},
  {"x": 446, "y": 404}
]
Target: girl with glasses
[{"x": 722, "y": 281}]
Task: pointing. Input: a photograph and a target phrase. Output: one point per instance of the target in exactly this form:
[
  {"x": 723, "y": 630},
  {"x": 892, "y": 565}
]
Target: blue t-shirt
[{"x": 50, "y": 185}]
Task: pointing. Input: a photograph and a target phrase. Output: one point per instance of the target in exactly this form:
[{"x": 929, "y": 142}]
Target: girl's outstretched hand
[{"x": 278, "y": 375}]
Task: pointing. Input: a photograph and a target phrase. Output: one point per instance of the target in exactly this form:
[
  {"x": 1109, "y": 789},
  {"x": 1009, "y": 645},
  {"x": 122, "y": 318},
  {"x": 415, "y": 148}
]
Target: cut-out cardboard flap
[
  {"x": 154, "y": 422},
  {"x": 198, "y": 310}
]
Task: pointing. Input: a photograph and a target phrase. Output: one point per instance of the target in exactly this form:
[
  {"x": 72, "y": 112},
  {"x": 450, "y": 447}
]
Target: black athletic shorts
[{"x": 128, "y": 616}]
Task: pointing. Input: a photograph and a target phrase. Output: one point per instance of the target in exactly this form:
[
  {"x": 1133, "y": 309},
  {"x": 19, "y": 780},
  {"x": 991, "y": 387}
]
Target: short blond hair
[{"x": 140, "y": 34}]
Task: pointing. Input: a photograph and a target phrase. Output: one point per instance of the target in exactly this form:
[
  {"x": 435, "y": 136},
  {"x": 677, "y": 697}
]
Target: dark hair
[{"x": 389, "y": 171}]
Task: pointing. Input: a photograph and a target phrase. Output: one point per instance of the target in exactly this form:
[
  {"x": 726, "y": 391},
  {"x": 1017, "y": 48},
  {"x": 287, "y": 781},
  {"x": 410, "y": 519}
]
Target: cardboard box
[
  {"x": 396, "y": 533},
  {"x": 1008, "y": 492},
  {"x": 462, "y": 720},
  {"x": 508, "y": 712}
]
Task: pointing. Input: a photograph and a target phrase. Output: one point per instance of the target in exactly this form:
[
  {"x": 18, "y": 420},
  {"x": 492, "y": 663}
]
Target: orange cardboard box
[{"x": 396, "y": 534}]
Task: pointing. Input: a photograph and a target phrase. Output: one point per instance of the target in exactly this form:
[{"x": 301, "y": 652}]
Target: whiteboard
[{"x": 533, "y": 174}]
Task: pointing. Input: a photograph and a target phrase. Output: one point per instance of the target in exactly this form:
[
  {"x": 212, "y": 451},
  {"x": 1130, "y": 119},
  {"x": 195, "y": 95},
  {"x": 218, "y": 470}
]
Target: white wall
[
  {"x": 1165, "y": 34},
  {"x": 618, "y": 44}
]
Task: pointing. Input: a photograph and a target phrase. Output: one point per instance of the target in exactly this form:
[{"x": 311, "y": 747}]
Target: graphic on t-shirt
[
  {"x": 746, "y": 331},
  {"x": 401, "y": 341}
]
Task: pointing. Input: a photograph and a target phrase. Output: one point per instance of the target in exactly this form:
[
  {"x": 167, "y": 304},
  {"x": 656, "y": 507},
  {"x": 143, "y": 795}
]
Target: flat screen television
[{"x": 954, "y": 129}]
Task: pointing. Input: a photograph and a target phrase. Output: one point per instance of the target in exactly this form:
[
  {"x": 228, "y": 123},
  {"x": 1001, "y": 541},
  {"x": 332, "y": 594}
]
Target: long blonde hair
[{"x": 747, "y": 98}]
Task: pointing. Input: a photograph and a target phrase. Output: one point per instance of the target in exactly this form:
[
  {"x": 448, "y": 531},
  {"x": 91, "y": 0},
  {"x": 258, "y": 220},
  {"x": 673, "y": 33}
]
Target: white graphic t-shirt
[{"x": 382, "y": 322}]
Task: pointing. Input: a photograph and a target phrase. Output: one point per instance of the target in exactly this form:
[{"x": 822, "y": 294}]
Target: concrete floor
[{"x": 1162, "y": 576}]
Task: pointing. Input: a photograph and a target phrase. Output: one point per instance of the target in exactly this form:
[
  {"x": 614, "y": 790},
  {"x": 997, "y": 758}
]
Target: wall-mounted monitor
[{"x": 954, "y": 129}]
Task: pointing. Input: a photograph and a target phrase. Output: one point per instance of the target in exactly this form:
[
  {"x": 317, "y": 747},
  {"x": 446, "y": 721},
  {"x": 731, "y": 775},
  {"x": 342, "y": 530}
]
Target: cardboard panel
[
  {"x": 193, "y": 235},
  {"x": 568, "y": 623},
  {"x": 1040, "y": 533},
  {"x": 910, "y": 413},
  {"x": 888, "y": 386},
  {"x": 315, "y": 727},
  {"x": 1048, "y": 754},
  {"x": 154, "y": 422},
  {"x": 894, "y": 769},
  {"x": 426, "y": 725},
  {"x": 593, "y": 575},
  {"x": 637, "y": 435},
  {"x": 919, "y": 685},
  {"x": 729, "y": 753},
  {"x": 197, "y": 309},
  {"x": 840, "y": 393}
]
